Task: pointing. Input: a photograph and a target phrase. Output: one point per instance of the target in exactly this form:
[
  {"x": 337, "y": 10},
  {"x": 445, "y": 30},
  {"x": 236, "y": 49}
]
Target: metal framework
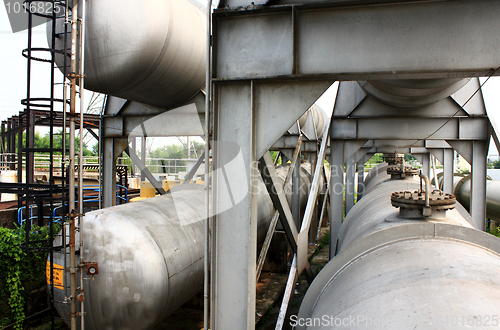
[
  {"x": 38, "y": 111},
  {"x": 270, "y": 63}
]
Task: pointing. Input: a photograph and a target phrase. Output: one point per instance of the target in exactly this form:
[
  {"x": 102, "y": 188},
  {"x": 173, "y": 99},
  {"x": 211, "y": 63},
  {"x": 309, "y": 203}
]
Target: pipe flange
[
  {"x": 438, "y": 200},
  {"x": 393, "y": 158},
  {"x": 398, "y": 169}
]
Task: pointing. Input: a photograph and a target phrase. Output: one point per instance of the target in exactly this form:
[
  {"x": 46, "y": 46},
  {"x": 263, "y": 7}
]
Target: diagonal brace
[
  {"x": 139, "y": 163},
  {"x": 270, "y": 178}
]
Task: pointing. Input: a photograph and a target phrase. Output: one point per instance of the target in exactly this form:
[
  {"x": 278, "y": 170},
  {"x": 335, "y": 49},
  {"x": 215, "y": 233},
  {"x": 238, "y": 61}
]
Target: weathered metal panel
[
  {"x": 411, "y": 37},
  {"x": 254, "y": 46}
]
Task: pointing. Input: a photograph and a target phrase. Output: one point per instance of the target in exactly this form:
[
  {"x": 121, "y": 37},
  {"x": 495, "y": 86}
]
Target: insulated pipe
[
  {"x": 462, "y": 193},
  {"x": 411, "y": 94},
  {"x": 398, "y": 272}
]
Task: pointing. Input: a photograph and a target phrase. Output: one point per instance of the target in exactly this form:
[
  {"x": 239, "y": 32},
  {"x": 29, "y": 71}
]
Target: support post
[
  {"x": 336, "y": 192},
  {"x": 296, "y": 194},
  {"x": 448, "y": 170},
  {"x": 143, "y": 156},
  {"x": 233, "y": 285},
  {"x": 426, "y": 164},
  {"x": 349, "y": 191},
  {"x": 478, "y": 184},
  {"x": 108, "y": 173},
  {"x": 361, "y": 178},
  {"x": 134, "y": 149}
]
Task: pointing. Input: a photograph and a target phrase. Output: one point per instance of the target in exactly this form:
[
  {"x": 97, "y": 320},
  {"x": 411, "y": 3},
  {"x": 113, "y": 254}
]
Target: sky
[{"x": 13, "y": 77}]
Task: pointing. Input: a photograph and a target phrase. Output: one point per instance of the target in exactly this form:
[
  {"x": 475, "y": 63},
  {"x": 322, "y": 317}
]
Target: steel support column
[
  {"x": 478, "y": 184},
  {"x": 112, "y": 148},
  {"x": 349, "y": 187},
  {"x": 361, "y": 177},
  {"x": 235, "y": 234},
  {"x": 296, "y": 193},
  {"x": 426, "y": 164},
  {"x": 448, "y": 170},
  {"x": 336, "y": 192},
  {"x": 143, "y": 156}
]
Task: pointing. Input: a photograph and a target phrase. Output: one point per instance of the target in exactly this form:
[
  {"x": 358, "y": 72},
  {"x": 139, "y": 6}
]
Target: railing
[
  {"x": 160, "y": 165},
  {"x": 42, "y": 162},
  {"x": 118, "y": 195},
  {"x": 86, "y": 199}
]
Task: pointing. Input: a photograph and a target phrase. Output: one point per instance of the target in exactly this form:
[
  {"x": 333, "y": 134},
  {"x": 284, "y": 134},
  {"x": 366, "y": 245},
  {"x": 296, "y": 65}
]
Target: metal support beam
[
  {"x": 252, "y": 116},
  {"x": 195, "y": 167},
  {"x": 144, "y": 171},
  {"x": 134, "y": 149},
  {"x": 426, "y": 164},
  {"x": 143, "y": 158},
  {"x": 349, "y": 187},
  {"x": 274, "y": 221},
  {"x": 448, "y": 171},
  {"x": 277, "y": 194},
  {"x": 478, "y": 184},
  {"x": 361, "y": 177},
  {"x": 306, "y": 39},
  {"x": 233, "y": 254},
  {"x": 108, "y": 173},
  {"x": 402, "y": 128},
  {"x": 296, "y": 194},
  {"x": 112, "y": 148},
  {"x": 336, "y": 192}
]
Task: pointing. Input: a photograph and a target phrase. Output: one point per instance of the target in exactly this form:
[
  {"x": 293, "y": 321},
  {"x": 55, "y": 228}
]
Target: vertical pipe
[
  {"x": 206, "y": 245},
  {"x": 80, "y": 159},
  {"x": 72, "y": 244}
]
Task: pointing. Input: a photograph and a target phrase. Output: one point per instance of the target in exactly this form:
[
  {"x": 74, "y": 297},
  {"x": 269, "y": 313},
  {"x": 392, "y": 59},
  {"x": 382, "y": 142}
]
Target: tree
[
  {"x": 171, "y": 151},
  {"x": 496, "y": 163},
  {"x": 44, "y": 142}
]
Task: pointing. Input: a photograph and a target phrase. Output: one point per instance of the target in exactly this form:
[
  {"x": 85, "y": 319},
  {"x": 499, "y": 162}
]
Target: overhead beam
[
  {"x": 404, "y": 128},
  {"x": 355, "y": 41}
]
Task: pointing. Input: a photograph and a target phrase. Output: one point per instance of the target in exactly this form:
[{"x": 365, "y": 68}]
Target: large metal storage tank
[
  {"x": 396, "y": 271},
  {"x": 147, "y": 51},
  {"x": 150, "y": 254}
]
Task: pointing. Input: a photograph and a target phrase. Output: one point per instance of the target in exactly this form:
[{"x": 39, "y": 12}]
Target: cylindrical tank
[
  {"x": 462, "y": 191},
  {"x": 408, "y": 94},
  {"x": 147, "y": 51},
  {"x": 375, "y": 176},
  {"x": 150, "y": 255},
  {"x": 319, "y": 119},
  {"x": 396, "y": 271}
]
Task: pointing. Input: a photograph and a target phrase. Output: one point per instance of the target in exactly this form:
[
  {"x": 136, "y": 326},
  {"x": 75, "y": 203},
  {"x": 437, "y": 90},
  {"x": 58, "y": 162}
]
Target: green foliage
[
  {"x": 95, "y": 148},
  {"x": 172, "y": 151},
  {"x": 44, "y": 142},
  {"x": 376, "y": 159},
  {"x": 176, "y": 151},
  {"x": 275, "y": 154},
  {"x": 10, "y": 258},
  {"x": 409, "y": 157},
  {"x": 20, "y": 271},
  {"x": 495, "y": 164},
  {"x": 495, "y": 232}
]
